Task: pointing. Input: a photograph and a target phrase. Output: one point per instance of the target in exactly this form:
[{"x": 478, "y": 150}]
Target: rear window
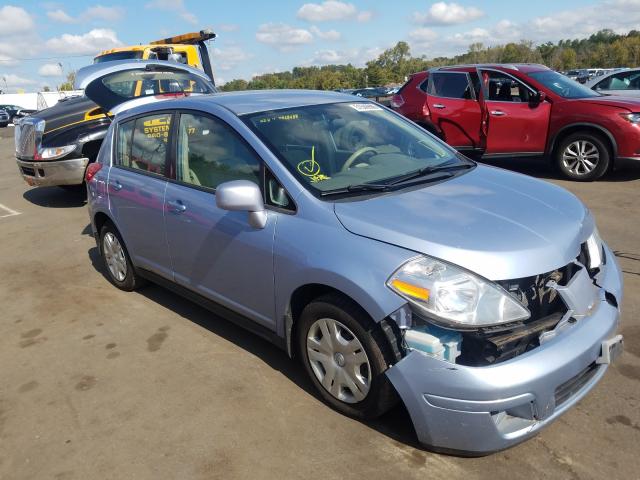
[
  {"x": 134, "y": 83},
  {"x": 128, "y": 55},
  {"x": 450, "y": 85}
]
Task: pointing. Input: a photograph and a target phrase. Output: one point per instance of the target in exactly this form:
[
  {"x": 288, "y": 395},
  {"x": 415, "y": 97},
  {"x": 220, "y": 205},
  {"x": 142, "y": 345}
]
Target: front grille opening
[
  {"x": 29, "y": 171},
  {"x": 572, "y": 386}
]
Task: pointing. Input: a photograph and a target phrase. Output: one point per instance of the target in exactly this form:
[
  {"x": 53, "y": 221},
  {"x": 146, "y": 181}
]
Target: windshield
[
  {"x": 125, "y": 55},
  {"x": 563, "y": 86},
  {"x": 341, "y": 145}
]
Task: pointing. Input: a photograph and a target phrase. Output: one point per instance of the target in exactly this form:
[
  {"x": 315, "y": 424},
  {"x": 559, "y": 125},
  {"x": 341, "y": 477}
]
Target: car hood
[
  {"x": 496, "y": 223},
  {"x": 629, "y": 103}
]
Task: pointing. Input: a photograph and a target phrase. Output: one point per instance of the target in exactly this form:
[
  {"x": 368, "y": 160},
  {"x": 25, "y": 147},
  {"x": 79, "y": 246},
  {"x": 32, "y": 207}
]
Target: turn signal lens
[
  {"x": 631, "y": 117},
  {"x": 411, "y": 290}
]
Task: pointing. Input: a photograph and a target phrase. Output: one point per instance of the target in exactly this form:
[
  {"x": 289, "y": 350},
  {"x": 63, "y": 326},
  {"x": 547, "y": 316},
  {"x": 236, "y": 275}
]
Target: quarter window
[
  {"x": 503, "y": 88},
  {"x": 211, "y": 153},
  {"x": 450, "y": 85},
  {"x": 142, "y": 143}
]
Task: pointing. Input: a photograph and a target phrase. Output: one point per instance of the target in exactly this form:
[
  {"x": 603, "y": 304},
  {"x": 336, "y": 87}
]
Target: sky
[{"x": 42, "y": 41}]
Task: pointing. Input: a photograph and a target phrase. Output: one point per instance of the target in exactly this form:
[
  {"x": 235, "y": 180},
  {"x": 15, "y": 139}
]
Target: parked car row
[
  {"x": 392, "y": 267},
  {"x": 14, "y": 113},
  {"x": 524, "y": 110}
]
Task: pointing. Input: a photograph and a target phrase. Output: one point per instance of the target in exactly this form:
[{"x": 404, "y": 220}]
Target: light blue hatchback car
[{"x": 392, "y": 267}]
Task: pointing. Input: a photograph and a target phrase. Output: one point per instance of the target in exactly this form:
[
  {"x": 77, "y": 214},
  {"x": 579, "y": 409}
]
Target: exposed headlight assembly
[
  {"x": 594, "y": 248},
  {"x": 55, "y": 152},
  {"x": 454, "y": 297}
]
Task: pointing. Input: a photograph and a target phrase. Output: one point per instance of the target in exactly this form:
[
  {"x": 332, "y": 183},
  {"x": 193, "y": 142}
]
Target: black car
[
  {"x": 4, "y": 118},
  {"x": 15, "y": 112}
]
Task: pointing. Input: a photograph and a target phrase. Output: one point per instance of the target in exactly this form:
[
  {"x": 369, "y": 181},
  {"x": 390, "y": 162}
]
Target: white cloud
[
  {"x": 91, "y": 42},
  {"x": 355, "y": 56},
  {"x": 176, "y": 6},
  {"x": 14, "y": 20},
  {"x": 50, "y": 70},
  {"x": 282, "y": 36},
  {"x": 330, "y": 35},
  {"x": 60, "y": 16},
  {"x": 97, "y": 12},
  {"x": 442, "y": 13},
  {"x": 7, "y": 61},
  {"x": 423, "y": 35},
  {"x": 227, "y": 27},
  {"x": 229, "y": 57},
  {"x": 15, "y": 82},
  {"x": 332, "y": 10}
]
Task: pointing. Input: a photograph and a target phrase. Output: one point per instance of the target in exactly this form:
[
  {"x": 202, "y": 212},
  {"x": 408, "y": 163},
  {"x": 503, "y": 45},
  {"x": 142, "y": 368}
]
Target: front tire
[
  {"x": 116, "y": 260},
  {"x": 346, "y": 364},
  {"x": 583, "y": 157}
]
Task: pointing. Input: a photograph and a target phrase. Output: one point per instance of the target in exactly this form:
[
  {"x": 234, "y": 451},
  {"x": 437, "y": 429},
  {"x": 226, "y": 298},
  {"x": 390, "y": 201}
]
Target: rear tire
[
  {"x": 583, "y": 156},
  {"x": 117, "y": 262},
  {"x": 337, "y": 345}
]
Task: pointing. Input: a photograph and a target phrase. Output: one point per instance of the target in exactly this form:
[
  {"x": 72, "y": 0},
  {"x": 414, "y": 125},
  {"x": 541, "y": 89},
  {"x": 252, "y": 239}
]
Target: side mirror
[
  {"x": 242, "y": 196},
  {"x": 538, "y": 98}
]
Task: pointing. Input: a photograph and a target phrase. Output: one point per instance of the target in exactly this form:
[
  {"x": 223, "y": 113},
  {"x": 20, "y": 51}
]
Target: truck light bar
[{"x": 187, "y": 38}]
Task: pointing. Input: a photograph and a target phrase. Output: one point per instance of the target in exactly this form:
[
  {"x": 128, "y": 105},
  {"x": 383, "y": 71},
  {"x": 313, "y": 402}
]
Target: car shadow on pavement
[
  {"x": 625, "y": 171},
  {"x": 56, "y": 197},
  {"x": 395, "y": 424}
]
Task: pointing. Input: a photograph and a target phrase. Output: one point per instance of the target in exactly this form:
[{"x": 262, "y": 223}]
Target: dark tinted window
[
  {"x": 450, "y": 85},
  {"x": 210, "y": 153},
  {"x": 142, "y": 143},
  {"x": 109, "y": 57},
  {"x": 504, "y": 88}
]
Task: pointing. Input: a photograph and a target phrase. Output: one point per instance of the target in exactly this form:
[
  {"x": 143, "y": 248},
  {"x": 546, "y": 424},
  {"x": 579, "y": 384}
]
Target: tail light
[
  {"x": 397, "y": 101},
  {"x": 425, "y": 110},
  {"x": 91, "y": 171}
]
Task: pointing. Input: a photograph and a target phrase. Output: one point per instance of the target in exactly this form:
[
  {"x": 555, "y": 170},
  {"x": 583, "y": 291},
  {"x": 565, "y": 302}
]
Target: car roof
[
  {"x": 519, "y": 67},
  {"x": 251, "y": 101}
]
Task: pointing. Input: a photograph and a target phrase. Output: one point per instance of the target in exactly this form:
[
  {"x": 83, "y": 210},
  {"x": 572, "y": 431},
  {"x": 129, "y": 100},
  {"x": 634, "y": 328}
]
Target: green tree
[{"x": 68, "y": 84}]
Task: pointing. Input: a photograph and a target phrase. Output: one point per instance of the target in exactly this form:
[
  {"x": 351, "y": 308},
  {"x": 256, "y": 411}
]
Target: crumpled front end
[{"x": 492, "y": 405}]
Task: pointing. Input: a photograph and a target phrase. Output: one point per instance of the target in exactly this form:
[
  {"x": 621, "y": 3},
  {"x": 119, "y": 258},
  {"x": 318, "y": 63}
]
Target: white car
[{"x": 624, "y": 83}]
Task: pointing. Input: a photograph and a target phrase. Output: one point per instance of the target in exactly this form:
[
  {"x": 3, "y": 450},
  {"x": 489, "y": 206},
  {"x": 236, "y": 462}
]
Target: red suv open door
[
  {"x": 515, "y": 121},
  {"x": 454, "y": 108}
]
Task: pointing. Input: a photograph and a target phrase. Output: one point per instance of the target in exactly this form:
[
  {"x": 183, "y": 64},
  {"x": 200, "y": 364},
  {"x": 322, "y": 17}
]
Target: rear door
[
  {"x": 454, "y": 108},
  {"x": 514, "y": 123},
  {"x": 136, "y": 186}
]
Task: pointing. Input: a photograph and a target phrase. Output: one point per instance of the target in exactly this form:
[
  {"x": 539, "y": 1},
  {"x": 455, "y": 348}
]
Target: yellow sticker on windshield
[
  {"x": 311, "y": 168},
  {"x": 290, "y": 116}
]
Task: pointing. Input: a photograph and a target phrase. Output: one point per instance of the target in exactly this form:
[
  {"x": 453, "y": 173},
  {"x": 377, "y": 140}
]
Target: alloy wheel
[
  {"x": 338, "y": 360},
  {"x": 114, "y": 256},
  {"x": 580, "y": 157}
]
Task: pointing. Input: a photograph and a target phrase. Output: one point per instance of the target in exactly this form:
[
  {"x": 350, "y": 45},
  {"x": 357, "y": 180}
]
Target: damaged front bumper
[
  {"x": 53, "y": 172},
  {"x": 479, "y": 410}
]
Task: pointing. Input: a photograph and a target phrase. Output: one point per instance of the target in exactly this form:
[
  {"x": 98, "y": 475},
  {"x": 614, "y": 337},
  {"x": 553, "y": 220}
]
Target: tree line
[{"x": 603, "y": 49}]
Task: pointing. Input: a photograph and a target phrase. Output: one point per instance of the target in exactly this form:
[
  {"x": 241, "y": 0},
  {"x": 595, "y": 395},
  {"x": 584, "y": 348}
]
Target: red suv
[{"x": 523, "y": 110}]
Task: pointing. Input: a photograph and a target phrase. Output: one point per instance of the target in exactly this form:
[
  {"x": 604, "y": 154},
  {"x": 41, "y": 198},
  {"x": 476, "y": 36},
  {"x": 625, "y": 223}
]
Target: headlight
[
  {"x": 55, "y": 152},
  {"x": 594, "y": 248},
  {"x": 453, "y": 296},
  {"x": 632, "y": 117}
]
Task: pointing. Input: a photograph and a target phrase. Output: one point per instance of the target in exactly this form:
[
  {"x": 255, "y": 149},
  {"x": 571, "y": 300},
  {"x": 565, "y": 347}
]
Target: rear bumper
[
  {"x": 479, "y": 410},
  {"x": 53, "y": 172}
]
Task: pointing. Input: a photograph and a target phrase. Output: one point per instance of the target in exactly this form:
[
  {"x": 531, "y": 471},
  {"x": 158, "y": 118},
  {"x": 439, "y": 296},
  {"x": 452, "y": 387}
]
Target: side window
[
  {"x": 211, "y": 153},
  {"x": 450, "y": 85},
  {"x": 123, "y": 146},
  {"x": 503, "y": 88},
  {"x": 424, "y": 85},
  {"x": 276, "y": 195},
  {"x": 621, "y": 81},
  {"x": 149, "y": 143}
]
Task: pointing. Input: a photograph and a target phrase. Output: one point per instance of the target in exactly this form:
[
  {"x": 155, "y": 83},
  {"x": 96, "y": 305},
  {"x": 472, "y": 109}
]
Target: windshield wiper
[
  {"x": 358, "y": 187},
  {"x": 421, "y": 172}
]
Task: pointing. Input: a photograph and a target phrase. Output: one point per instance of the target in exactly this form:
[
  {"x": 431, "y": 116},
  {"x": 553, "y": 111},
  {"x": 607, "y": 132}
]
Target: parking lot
[{"x": 99, "y": 383}]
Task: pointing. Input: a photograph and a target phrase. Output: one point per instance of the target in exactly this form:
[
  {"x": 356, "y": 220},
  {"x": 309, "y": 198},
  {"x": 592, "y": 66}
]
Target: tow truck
[{"x": 55, "y": 145}]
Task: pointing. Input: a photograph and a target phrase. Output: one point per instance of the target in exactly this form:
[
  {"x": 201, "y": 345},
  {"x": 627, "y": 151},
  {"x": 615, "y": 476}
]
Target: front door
[
  {"x": 454, "y": 109},
  {"x": 215, "y": 252},
  {"x": 137, "y": 186},
  {"x": 514, "y": 122}
]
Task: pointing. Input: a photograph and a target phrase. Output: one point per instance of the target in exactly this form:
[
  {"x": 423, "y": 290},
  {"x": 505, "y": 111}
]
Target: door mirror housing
[
  {"x": 243, "y": 196},
  {"x": 538, "y": 98}
]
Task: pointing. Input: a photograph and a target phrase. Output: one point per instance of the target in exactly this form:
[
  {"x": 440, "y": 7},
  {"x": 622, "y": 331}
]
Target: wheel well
[
  {"x": 90, "y": 149},
  {"x": 602, "y": 135},
  {"x": 305, "y": 294},
  {"x": 99, "y": 220}
]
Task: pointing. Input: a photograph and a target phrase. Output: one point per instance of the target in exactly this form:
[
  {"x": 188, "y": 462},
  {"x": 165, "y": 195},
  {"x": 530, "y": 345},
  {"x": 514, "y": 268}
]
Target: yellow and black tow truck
[{"x": 56, "y": 144}]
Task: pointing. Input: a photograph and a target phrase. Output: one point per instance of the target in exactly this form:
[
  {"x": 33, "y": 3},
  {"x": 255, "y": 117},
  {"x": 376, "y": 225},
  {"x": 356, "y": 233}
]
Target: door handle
[
  {"x": 438, "y": 105},
  {"x": 116, "y": 185},
  {"x": 176, "y": 206},
  {"x": 497, "y": 113}
]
